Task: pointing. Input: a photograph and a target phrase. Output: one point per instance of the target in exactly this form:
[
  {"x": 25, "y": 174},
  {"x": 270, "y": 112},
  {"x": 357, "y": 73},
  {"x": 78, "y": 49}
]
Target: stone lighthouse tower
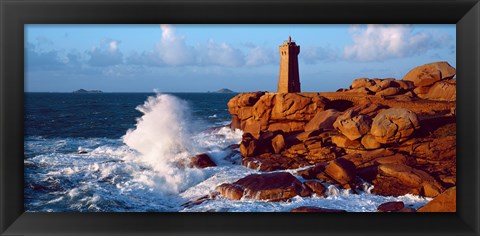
[{"x": 289, "y": 79}]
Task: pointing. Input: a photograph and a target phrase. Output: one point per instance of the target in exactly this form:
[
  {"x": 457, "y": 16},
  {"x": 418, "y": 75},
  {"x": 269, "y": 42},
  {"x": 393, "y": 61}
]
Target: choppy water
[{"x": 133, "y": 146}]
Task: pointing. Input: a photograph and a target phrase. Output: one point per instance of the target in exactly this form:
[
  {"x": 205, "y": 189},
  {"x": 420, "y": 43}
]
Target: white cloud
[
  {"x": 107, "y": 54},
  {"x": 313, "y": 54},
  {"x": 258, "y": 56},
  {"x": 380, "y": 42},
  {"x": 173, "y": 50},
  {"x": 222, "y": 54}
]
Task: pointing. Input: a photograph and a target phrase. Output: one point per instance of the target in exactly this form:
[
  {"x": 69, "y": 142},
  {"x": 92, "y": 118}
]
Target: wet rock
[
  {"x": 390, "y": 206},
  {"x": 277, "y": 186},
  {"x": 230, "y": 191},
  {"x": 306, "y": 192},
  {"x": 271, "y": 162},
  {"x": 445, "y": 202},
  {"x": 316, "y": 187},
  {"x": 407, "y": 209},
  {"x": 394, "y": 125},
  {"x": 201, "y": 161},
  {"x": 315, "y": 209},
  {"x": 200, "y": 200},
  {"x": 341, "y": 170},
  {"x": 312, "y": 172}
]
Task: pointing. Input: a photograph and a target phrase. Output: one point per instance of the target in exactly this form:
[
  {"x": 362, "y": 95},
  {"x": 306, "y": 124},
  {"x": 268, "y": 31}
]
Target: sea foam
[{"x": 162, "y": 136}]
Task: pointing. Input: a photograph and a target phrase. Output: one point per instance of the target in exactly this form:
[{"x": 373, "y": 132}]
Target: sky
[{"x": 201, "y": 58}]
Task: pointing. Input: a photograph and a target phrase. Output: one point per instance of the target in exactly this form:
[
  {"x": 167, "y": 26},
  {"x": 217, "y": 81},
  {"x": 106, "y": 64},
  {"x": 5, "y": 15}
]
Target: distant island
[
  {"x": 224, "y": 90},
  {"x": 87, "y": 91}
]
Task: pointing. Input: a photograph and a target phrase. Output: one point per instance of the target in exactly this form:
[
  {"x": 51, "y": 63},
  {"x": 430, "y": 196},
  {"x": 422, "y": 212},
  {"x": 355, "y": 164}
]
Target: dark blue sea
[{"x": 126, "y": 152}]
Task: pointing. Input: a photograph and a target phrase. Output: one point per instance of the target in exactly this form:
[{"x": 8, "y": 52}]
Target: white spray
[{"x": 162, "y": 138}]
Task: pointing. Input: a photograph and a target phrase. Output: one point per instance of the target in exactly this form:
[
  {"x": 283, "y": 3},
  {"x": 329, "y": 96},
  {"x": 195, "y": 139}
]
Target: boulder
[
  {"x": 278, "y": 143},
  {"x": 390, "y": 206},
  {"x": 397, "y": 158},
  {"x": 407, "y": 209},
  {"x": 367, "y": 158},
  {"x": 369, "y": 142},
  {"x": 351, "y": 125},
  {"x": 438, "y": 157},
  {"x": 230, "y": 191},
  {"x": 362, "y": 83},
  {"x": 380, "y": 85},
  {"x": 399, "y": 179},
  {"x": 442, "y": 91},
  {"x": 421, "y": 91},
  {"x": 294, "y": 106},
  {"x": 428, "y": 74},
  {"x": 315, "y": 209},
  {"x": 389, "y": 91},
  {"x": 360, "y": 90},
  {"x": 245, "y": 99},
  {"x": 445, "y": 202},
  {"x": 322, "y": 120},
  {"x": 394, "y": 125},
  {"x": 368, "y": 109},
  {"x": 248, "y": 145},
  {"x": 343, "y": 142},
  {"x": 271, "y": 162},
  {"x": 405, "y": 84},
  {"x": 316, "y": 187},
  {"x": 201, "y": 161},
  {"x": 341, "y": 170},
  {"x": 312, "y": 172},
  {"x": 277, "y": 186},
  {"x": 307, "y": 135}
]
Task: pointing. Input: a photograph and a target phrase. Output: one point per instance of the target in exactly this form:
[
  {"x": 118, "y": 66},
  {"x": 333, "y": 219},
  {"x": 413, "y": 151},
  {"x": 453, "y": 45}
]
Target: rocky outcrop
[
  {"x": 390, "y": 206},
  {"x": 445, "y": 90},
  {"x": 315, "y": 187},
  {"x": 394, "y": 125},
  {"x": 323, "y": 120},
  {"x": 433, "y": 81},
  {"x": 445, "y": 202},
  {"x": 399, "y": 179},
  {"x": 341, "y": 170},
  {"x": 428, "y": 74},
  {"x": 201, "y": 161},
  {"x": 353, "y": 125},
  {"x": 272, "y": 187},
  {"x": 288, "y": 112},
  {"x": 398, "y": 135}
]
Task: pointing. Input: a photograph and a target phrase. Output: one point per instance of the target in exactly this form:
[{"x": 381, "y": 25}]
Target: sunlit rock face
[{"x": 398, "y": 135}]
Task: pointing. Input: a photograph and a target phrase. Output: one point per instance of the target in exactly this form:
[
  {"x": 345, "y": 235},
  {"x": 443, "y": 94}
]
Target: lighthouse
[{"x": 288, "y": 78}]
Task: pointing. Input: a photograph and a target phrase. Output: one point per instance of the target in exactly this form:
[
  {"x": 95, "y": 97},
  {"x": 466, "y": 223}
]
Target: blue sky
[{"x": 200, "y": 58}]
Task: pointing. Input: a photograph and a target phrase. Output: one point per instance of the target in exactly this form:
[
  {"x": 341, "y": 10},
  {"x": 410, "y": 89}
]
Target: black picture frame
[{"x": 14, "y": 14}]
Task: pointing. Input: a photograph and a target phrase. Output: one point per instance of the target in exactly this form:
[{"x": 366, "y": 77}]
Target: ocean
[{"x": 120, "y": 152}]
